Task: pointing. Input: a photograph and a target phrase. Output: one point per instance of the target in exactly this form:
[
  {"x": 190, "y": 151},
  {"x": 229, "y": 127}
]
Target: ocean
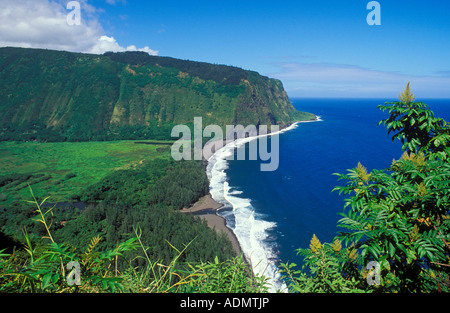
[{"x": 274, "y": 213}]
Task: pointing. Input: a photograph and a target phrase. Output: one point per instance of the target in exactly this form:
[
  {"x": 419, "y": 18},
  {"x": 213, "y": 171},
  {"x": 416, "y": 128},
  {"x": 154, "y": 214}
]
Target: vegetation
[
  {"x": 137, "y": 198},
  {"x": 53, "y": 96},
  {"x": 148, "y": 195},
  {"x": 50, "y": 266},
  {"x": 106, "y": 189},
  {"x": 227, "y": 75},
  {"x": 397, "y": 217},
  {"x": 62, "y": 170}
]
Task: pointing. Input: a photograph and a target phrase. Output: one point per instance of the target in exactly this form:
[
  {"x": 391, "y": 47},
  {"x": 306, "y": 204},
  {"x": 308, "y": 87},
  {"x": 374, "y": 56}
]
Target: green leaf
[
  {"x": 55, "y": 278},
  {"x": 391, "y": 250},
  {"x": 2, "y": 255},
  {"x": 112, "y": 286},
  {"x": 410, "y": 256},
  {"x": 46, "y": 280}
]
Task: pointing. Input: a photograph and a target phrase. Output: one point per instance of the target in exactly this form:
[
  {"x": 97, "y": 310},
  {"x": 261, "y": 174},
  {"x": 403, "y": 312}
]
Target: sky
[{"x": 321, "y": 48}]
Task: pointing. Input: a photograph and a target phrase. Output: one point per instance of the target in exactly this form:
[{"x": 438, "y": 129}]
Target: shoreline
[
  {"x": 210, "y": 147},
  {"x": 206, "y": 208}
]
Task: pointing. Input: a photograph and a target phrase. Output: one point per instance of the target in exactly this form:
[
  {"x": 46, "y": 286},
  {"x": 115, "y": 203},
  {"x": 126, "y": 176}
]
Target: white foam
[
  {"x": 250, "y": 228},
  {"x": 252, "y": 233}
]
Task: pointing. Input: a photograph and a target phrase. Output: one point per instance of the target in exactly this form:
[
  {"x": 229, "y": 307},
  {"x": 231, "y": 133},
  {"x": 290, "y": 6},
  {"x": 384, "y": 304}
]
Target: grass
[{"x": 62, "y": 169}]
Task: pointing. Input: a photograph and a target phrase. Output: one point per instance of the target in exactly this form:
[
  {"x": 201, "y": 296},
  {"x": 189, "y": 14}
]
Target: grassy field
[{"x": 61, "y": 170}]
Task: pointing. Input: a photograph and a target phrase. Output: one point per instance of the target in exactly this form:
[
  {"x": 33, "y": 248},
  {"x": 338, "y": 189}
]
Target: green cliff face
[{"x": 58, "y": 96}]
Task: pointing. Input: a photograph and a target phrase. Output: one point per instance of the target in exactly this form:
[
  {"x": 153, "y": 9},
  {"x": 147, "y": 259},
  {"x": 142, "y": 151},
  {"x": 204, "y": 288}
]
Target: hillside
[{"x": 62, "y": 96}]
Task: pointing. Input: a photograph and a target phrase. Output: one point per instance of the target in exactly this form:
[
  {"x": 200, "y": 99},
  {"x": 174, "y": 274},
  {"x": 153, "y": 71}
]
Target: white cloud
[
  {"x": 145, "y": 49},
  {"x": 340, "y": 80},
  {"x": 105, "y": 44},
  {"x": 43, "y": 24}
]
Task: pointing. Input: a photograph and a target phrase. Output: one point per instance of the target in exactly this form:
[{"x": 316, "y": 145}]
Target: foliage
[
  {"x": 328, "y": 268},
  {"x": 147, "y": 194},
  {"x": 229, "y": 276},
  {"x": 418, "y": 129},
  {"x": 123, "y": 183},
  {"x": 46, "y": 268},
  {"x": 227, "y": 75},
  {"x": 400, "y": 220},
  {"x": 43, "y": 268},
  {"x": 160, "y": 181},
  {"x": 233, "y": 275},
  {"x": 398, "y": 217}
]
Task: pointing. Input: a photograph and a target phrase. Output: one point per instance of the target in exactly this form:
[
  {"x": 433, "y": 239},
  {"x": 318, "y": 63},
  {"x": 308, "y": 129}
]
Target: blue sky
[{"x": 316, "y": 48}]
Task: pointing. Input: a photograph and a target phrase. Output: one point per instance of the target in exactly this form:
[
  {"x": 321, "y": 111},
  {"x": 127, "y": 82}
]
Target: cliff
[{"x": 58, "y": 96}]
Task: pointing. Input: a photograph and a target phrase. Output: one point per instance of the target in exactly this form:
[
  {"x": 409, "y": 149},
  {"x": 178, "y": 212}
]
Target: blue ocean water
[{"x": 275, "y": 213}]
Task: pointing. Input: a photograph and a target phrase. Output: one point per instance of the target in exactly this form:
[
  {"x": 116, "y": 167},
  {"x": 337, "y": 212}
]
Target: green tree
[{"x": 416, "y": 126}]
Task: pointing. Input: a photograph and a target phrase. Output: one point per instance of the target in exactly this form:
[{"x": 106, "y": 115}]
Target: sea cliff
[{"x": 62, "y": 96}]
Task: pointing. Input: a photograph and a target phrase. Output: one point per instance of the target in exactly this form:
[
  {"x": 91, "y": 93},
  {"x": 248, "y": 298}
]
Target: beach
[{"x": 206, "y": 208}]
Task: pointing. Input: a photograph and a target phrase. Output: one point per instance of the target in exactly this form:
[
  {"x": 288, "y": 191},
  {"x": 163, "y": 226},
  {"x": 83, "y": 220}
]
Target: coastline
[{"x": 206, "y": 208}]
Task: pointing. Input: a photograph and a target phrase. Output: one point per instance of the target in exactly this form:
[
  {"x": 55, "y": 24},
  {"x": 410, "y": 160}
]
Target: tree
[
  {"x": 399, "y": 218},
  {"x": 416, "y": 126}
]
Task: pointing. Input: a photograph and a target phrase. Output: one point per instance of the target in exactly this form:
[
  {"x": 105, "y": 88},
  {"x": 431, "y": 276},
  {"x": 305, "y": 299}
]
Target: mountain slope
[{"x": 58, "y": 96}]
